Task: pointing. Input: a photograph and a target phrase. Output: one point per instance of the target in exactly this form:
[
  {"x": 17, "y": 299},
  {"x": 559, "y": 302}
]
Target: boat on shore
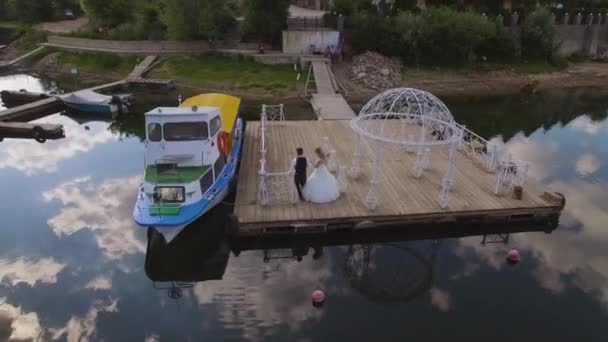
[
  {"x": 191, "y": 156},
  {"x": 88, "y": 101}
]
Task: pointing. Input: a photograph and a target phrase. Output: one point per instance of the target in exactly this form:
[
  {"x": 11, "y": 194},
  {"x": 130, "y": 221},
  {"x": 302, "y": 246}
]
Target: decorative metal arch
[{"x": 388, "y": 118}]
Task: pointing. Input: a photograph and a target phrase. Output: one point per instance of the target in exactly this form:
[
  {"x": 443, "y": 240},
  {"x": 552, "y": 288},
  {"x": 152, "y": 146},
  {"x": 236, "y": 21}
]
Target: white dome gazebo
[{"x": 409, "y": 120}]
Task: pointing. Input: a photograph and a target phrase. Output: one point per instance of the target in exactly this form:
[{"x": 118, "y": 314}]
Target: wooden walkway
[
  {"x": 322, "y": 78},
  {"x": 331, "y": 107},
  {"x": 403, "y": 198},
  {"x": 20, "y": 58},
  {"x": 327, "y": 104},
  {"x": 141, "y": 68}
]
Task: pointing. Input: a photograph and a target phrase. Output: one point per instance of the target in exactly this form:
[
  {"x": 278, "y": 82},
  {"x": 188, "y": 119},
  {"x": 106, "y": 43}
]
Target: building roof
[
  {"x": 300, "y": 12},
  {"x": 164, "y": 111}
]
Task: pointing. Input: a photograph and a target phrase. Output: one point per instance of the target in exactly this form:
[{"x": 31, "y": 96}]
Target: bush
[
  {"x": 538, "y": 35},
  {"x": 452, "y": 37},
  {"x": 29, "y": 38},
  {"x": 578, "y": 57},
  {"x": 501, "y": 46},
  {"x": 411, "y": 30},
  {"x": 440, "y": 35},
  {"x": 376, "y": 33}
]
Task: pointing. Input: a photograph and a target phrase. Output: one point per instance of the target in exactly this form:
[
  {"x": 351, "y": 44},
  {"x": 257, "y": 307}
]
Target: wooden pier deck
[
  {"x": 32, "y": 111},
  {"x": 404, "y": 199},
  {"x": 327, "y": 104},
  {"x": 4, "y": 64},
  {"x": 141, "y": 68}
]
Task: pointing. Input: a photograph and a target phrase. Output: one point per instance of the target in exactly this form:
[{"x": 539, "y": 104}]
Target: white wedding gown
[{"x": 321, "y": 186}]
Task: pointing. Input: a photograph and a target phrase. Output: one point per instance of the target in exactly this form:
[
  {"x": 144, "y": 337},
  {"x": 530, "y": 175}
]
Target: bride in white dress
[{"x": 321, "y": 186}]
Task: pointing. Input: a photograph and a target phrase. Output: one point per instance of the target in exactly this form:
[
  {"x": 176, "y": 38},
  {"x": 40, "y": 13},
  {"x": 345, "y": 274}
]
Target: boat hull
[
  {"x": 212, "y": 197},
  {"x": 93, "y": 108}
]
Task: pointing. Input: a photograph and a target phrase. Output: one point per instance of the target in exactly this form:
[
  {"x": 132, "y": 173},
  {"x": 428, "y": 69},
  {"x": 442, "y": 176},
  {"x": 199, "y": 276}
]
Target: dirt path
[
  {"x": 64, "y": 26},
  {"x": 471, "y": 83}
]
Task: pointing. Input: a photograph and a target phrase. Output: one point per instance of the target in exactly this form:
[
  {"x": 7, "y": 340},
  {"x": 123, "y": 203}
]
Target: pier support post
[
  {"x": 423, "y": 161},
  {"x": 330, "y": 153},
  {"x": 342, "y": 180},
  {"x": 263, "y": 197},
  {"x": 491, "y": 159},
  {"x": 355, "y": 167},
  {"x": 501, "y": 178},
  {"x": 371, "y": 200},
  {"x": 448, "y": 178}
]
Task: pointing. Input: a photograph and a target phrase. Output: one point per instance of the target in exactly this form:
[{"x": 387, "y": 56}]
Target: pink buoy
[
  {"x": 513, "y": 256},
  {"x": 318, "y": 298}
]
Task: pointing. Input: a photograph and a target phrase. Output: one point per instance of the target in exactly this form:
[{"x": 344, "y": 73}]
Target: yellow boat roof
[{"x": 228, "y": 105}]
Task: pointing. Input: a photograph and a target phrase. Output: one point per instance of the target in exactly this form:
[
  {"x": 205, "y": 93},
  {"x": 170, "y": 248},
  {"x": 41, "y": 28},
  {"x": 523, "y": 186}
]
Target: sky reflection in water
[{"x": 72, "y": 263}]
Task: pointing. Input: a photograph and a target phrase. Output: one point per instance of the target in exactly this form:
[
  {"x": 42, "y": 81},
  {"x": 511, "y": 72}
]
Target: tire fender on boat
[{"x": 222, "y": 143}]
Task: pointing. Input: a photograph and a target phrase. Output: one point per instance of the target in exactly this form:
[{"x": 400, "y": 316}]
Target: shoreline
[{"x": 439, "y": 82}]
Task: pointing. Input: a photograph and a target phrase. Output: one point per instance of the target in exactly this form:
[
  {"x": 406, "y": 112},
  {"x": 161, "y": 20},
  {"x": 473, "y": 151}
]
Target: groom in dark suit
[{"x": 298, "y": 167}]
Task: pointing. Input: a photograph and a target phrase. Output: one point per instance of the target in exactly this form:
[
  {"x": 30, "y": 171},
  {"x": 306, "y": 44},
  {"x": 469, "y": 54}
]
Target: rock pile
[{"x": 376, "y": 71}]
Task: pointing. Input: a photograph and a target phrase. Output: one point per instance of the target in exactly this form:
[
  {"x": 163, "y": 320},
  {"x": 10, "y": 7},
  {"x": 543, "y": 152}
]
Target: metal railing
[
  {"x": 273, "y": 187},
  {"x": 510, "y": 172}
]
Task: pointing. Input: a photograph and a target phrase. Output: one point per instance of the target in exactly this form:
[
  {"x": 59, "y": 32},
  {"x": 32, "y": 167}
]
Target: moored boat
[
  {"x": 191, "y": 156},
  {"x": 89, "y": 101}
]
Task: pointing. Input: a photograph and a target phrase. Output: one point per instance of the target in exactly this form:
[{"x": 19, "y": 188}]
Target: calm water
[{"x": 73, "y": 265}]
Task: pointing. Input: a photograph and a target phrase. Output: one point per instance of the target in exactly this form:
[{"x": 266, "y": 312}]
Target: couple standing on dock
[{"x": 321, "y": 186}]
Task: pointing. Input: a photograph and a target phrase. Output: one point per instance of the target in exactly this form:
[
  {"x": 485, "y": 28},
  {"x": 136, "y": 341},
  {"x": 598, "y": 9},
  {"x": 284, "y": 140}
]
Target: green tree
[
  {"x": 538, "y": 35},
  {"x": 109, "y": 12},
  {"x": 195, "y": 19},
  {"x": 410, "y": 27},
  {"x": 29, "y": 11},
  {"x": 3, "y": 10},
  {"x": 266, "y": 18}
]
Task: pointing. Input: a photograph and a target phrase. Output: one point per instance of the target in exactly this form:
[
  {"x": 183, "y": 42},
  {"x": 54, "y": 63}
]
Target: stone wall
[
  {"x": 571, "y": 38},
  {"x": 300, "y": 42},
  {"x": 141, "y": 47},
  {"x": 576, "y": 34}
]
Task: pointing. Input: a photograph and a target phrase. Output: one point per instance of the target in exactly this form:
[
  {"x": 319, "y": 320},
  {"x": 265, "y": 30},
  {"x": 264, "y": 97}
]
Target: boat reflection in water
[
  {"x": 389, "y": 265},
  {"x": 198, "y": 253}
]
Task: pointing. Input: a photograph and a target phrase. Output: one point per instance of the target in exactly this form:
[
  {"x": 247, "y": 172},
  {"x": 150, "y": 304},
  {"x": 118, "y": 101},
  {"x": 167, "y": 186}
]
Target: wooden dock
[
  {"x": 37, "y": 131},
  {"x": 326, "y": 102},
  {"x": 4, "y": 64},
  {"x": 404, "y": 199},
  {"x": 331, "y": 107},
  {"x": 38, "y": 109},
  {"x": 142, "y": 67},
  {"x": 32, "y": 111}
]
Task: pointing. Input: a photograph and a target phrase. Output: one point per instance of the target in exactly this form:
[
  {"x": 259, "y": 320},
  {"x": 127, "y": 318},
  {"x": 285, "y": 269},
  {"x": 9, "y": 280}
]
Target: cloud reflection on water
[
  {"x": 81, "y": 329},
  {"x": 251, "y": 300},
  {"x": 568, "y": 257},
  {"x": 33, "y": 158},
  {"x": 104, "y": 208},
  {"x": 17, "y": 325},
  {"x": 29, "y": 271}
]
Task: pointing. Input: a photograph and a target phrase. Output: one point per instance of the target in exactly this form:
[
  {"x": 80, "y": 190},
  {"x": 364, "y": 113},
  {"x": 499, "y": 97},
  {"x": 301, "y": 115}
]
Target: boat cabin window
[
  {"x": 166, "y": 194},
  {"x": 206, "y": 181},
  {"x": 185, "y": 131},
  {"x": 215, "y": 125},
  {"x": 218, "y": 167},
  {"x": 166, "y": 168},
  {"x": 155, "y": 132}
]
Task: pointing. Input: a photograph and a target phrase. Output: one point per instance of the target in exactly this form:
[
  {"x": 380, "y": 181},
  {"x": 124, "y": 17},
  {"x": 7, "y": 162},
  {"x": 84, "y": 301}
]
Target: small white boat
[
  {"x": 89, "y": 101},
  {"x": 191, "y": 156}
]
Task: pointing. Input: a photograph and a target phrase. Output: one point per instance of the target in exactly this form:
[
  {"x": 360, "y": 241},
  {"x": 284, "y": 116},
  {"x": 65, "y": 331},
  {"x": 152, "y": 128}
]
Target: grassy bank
[
  {"x": 96, "y": 62},
  {"x": 241, "y": 74},
  {"x": 525, "y": 67}
]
